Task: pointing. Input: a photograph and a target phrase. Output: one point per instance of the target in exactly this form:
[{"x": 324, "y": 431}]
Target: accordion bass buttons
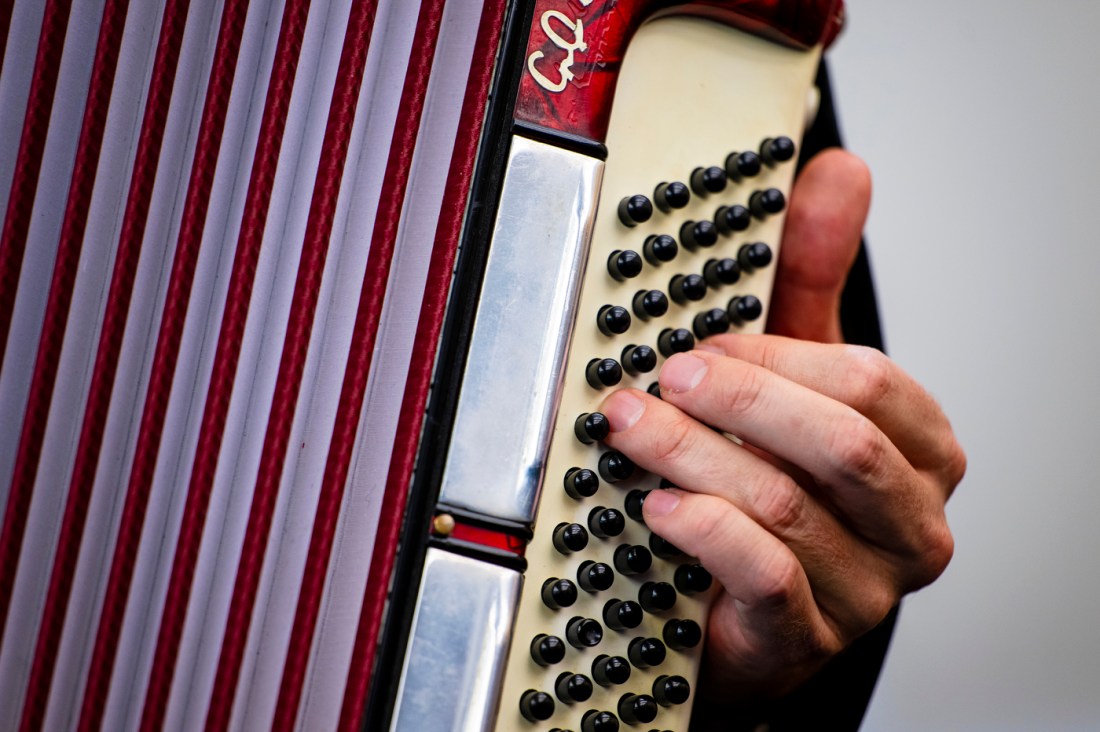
[
  {"x": 602, "y": 373},
  {"x": 583, "y": 633},
  {"x": 671, "y": 690},
  {"x": 637, "y": 708},
  {"x": 546, "y": 650},
  {"x": 595, "y": 576},
  {"x": 682, "y": 634},
  {"x": 597, "y": 721},
  {"x": 610, "y": 670},
  {"x": 777, "y": 150},
  {"x": 536, "y": 706},
  {"x": 671, "y": 195},
  {"x": 634, "y": 210}
]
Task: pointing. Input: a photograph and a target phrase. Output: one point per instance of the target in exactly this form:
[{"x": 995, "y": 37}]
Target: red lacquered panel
[{"x": 576, "y": 47}]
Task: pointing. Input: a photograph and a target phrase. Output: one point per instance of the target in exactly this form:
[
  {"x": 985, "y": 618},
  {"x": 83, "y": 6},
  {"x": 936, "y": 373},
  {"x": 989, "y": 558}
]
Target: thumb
[{"x": 828, "y": 209}]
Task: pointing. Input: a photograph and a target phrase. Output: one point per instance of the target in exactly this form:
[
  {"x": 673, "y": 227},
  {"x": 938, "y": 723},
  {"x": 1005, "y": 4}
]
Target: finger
[
  {"x": 867, "y": 381},
  {"x": 662, "y": 440},
  {"x": 828, "y": 210},
  {"x": 865, "y": 476},
  {"x": 774, "y": 618}
]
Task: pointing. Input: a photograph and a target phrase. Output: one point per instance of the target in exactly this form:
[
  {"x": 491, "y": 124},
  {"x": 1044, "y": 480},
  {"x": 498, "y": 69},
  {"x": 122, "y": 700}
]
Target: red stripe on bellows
[
  {"x": 71, "y": 241},
  {"x": 126, "y": 258},
  {"x": 5, "y": 24},
  {"x": 13, "y": 242},
  {"x": 371, "y": 297},
  {"x": 164, "y": 361},
  {"x": 223, "y": 374},
  {"x": 417, "y": 386},
  {"x": 17, "y": 222},
  {"x": 326, "y": 189}
]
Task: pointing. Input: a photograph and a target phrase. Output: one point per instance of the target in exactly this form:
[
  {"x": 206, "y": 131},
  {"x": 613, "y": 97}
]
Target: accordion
[{"x": 306, "y": 313}]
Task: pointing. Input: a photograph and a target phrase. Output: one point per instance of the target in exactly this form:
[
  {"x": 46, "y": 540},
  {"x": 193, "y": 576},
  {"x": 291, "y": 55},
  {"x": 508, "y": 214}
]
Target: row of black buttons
[
  {"x": 678, "y": 634},
  {"x": 658, "y": 249},
  {"x": 634, "y": 210}
]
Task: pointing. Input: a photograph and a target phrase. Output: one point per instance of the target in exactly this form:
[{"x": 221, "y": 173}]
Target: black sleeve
[{"x": 837, "y": 697}]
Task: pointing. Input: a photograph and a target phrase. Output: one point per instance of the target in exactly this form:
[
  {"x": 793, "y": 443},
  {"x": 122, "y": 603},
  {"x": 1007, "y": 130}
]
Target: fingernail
[
  {"x": 710, "y": 348},
  {"x": 623, "y": 410},
  {"x": 660, "y": 503},
  {"x": 682, "y": 372}
]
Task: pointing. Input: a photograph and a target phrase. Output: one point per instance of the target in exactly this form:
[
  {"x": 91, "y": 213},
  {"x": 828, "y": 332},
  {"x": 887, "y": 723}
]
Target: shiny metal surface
[
  {"x": 521, "y": 335},
  {"x": 461, "y": 631}
]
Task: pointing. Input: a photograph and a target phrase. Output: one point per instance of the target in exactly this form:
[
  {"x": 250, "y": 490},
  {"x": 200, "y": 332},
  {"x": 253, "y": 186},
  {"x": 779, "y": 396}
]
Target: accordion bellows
[{"x": 241, "y": 256}]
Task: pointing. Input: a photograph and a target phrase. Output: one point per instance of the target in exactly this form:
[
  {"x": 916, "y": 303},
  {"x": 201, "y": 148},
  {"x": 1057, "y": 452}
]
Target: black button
[
  {"x": 536, "y": 706},
  {"x": 623, "y": 265},
  {"x": 633, "y": 505},
  {"x": 608, "y": 670},
  {"x": 742, "y": 165},
  {"x": 547, "y": 649},
  {"x": 596, "y": 721},
  {"x": 692, "y": 579},
  {"x": 581, "y": 483},
  {"x": 637, "y": 708},
  {"x": 591, "y": 427},
  {"x": 695, "y": 234},
  {"x": 572, "y": 688},
  {"x": 614, "y": 466},
  {"x": 745, "y": 308},
  {"x": 654, "y": 390},
  {"x": 675, "y": 341},
  {"x": 663, "y": 548},
  {"x": 671, "y": 195},
  {"x": 569, "y": 538},
  {"x": 632, "y": 559},
  {"x": 681, "y": 634},
  {"x": 711, "y": 322},
  {"x": 777, "y": 150},
  {"x": 671, "y": 690},
  {"x": 650, "y": 304},
  {"x": 731, "y": 219},
  {"x": 602, "y": 372},
  {"x": 605, "y": 522},
  {"x": 558, "y": 593},
  {"x": 595, "y": 576},
  {"x": 708, "y": 180},
  {"x": 660, "y": 248},
  {"x": 718, "y": 272},
  {"x": 634, "y": 210},
  {"x": 770, "y": 201},
  {"x": 687, "y": 288},
  {"x": 613, "y": 320},
  {"x": 622, "y": 615},
  {"x": 657, "y": 597},
  {"x": 639, "y": 359},
  {"x": 583, "y": 632},
  {"x": 646, "y": 652},
  {"x": 754, "y": 256}
]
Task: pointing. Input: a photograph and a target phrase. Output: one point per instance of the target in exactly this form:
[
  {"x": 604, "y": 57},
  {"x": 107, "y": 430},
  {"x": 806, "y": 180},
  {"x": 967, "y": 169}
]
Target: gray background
[{"x": 979, "y": 122}]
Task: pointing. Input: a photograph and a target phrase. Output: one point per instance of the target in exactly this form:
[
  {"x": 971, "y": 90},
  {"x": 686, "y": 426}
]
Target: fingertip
[
  {"x": 660, "y": 503},
  {"x": 623, "y": 409}
]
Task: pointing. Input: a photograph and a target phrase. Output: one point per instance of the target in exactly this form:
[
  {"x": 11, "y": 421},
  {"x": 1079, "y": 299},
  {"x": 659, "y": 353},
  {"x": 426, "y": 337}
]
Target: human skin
[{"x": 832, "y": 509}]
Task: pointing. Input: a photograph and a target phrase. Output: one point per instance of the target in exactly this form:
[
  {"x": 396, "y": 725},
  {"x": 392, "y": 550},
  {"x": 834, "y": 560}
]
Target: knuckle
[
  {"x": 858, "y": 448},
  {"x": 870, "y": 375},
  {"x": 745, "y": 392},
  {"x": 954, "y": 464},
  {"x": 781, "y": 505},
  {"x": 937, "y": 549},
  {"x": 674, "y": 441},
  {"x": 777, "y": 583}
]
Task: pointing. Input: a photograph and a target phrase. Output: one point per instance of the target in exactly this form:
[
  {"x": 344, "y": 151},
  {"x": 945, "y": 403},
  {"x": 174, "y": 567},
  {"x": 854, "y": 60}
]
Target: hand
[{"x": 833, "y": 506}]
